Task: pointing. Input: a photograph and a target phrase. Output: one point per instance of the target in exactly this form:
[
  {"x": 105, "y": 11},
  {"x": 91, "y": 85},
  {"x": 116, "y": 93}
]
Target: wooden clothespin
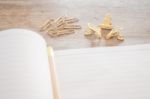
[
  {"x": 93, "y": 30},
  {"x": 107, "y": 23},
  {"x": 115, "y": 33}
]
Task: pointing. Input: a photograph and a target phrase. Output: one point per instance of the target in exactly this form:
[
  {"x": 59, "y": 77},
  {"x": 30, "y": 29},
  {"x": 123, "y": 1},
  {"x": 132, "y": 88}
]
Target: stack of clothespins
[
  {"x": 107, "y": 25},
  {"x": 61, "y": 26}
]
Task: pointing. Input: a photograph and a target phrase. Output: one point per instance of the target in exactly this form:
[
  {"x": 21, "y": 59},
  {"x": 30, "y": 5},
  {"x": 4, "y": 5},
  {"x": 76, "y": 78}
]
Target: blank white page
[
  {"x": 24, "y": 67},
  {"x": 105, "y": 73}
]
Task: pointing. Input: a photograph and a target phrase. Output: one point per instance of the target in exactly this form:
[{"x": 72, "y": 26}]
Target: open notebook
[
  {"x": 25, "y": 70},
  {"x": 106, "y": 73}
]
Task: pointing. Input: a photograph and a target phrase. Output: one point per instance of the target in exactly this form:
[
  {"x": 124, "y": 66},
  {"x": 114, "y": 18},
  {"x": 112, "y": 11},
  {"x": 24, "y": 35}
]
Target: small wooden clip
[
  {"x": 72, "y": 27},
  {"x": 88, "y": 32},
  {"x": 111, "y": 34},
  {"x": 72, "y": 20},
  {"x": 107, "y": 23},
  {"x": 96, "y": 30},
  {"x": 53, "y": 33},
  {"x": 119, "y": 37},
  {"x": 63, "y": 32},
  {"x": 46, "y": 25},
  {"x": 114, "y": 33},
  {"x": 93, "y": 30}
]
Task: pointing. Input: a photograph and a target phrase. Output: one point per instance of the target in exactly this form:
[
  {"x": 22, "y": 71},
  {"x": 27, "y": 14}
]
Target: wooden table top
[{"x": 131, "y": 15}]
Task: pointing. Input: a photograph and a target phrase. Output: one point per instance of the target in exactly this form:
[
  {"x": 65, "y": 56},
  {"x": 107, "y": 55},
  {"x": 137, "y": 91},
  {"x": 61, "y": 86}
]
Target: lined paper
[{"x": 105, "y": 73}]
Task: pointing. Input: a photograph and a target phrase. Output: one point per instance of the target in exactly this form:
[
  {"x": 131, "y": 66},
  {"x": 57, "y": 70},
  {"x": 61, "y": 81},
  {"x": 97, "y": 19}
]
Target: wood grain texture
[{"x": 131, "y": 15}]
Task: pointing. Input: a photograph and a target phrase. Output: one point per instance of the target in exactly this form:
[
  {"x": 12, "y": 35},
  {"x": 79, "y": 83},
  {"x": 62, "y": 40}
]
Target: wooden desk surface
[{"x": 132, "y": 15}]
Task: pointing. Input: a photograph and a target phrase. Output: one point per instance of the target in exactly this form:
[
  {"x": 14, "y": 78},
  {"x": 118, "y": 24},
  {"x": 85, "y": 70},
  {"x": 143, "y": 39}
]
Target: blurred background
[{"x": 131, "y": 15}]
